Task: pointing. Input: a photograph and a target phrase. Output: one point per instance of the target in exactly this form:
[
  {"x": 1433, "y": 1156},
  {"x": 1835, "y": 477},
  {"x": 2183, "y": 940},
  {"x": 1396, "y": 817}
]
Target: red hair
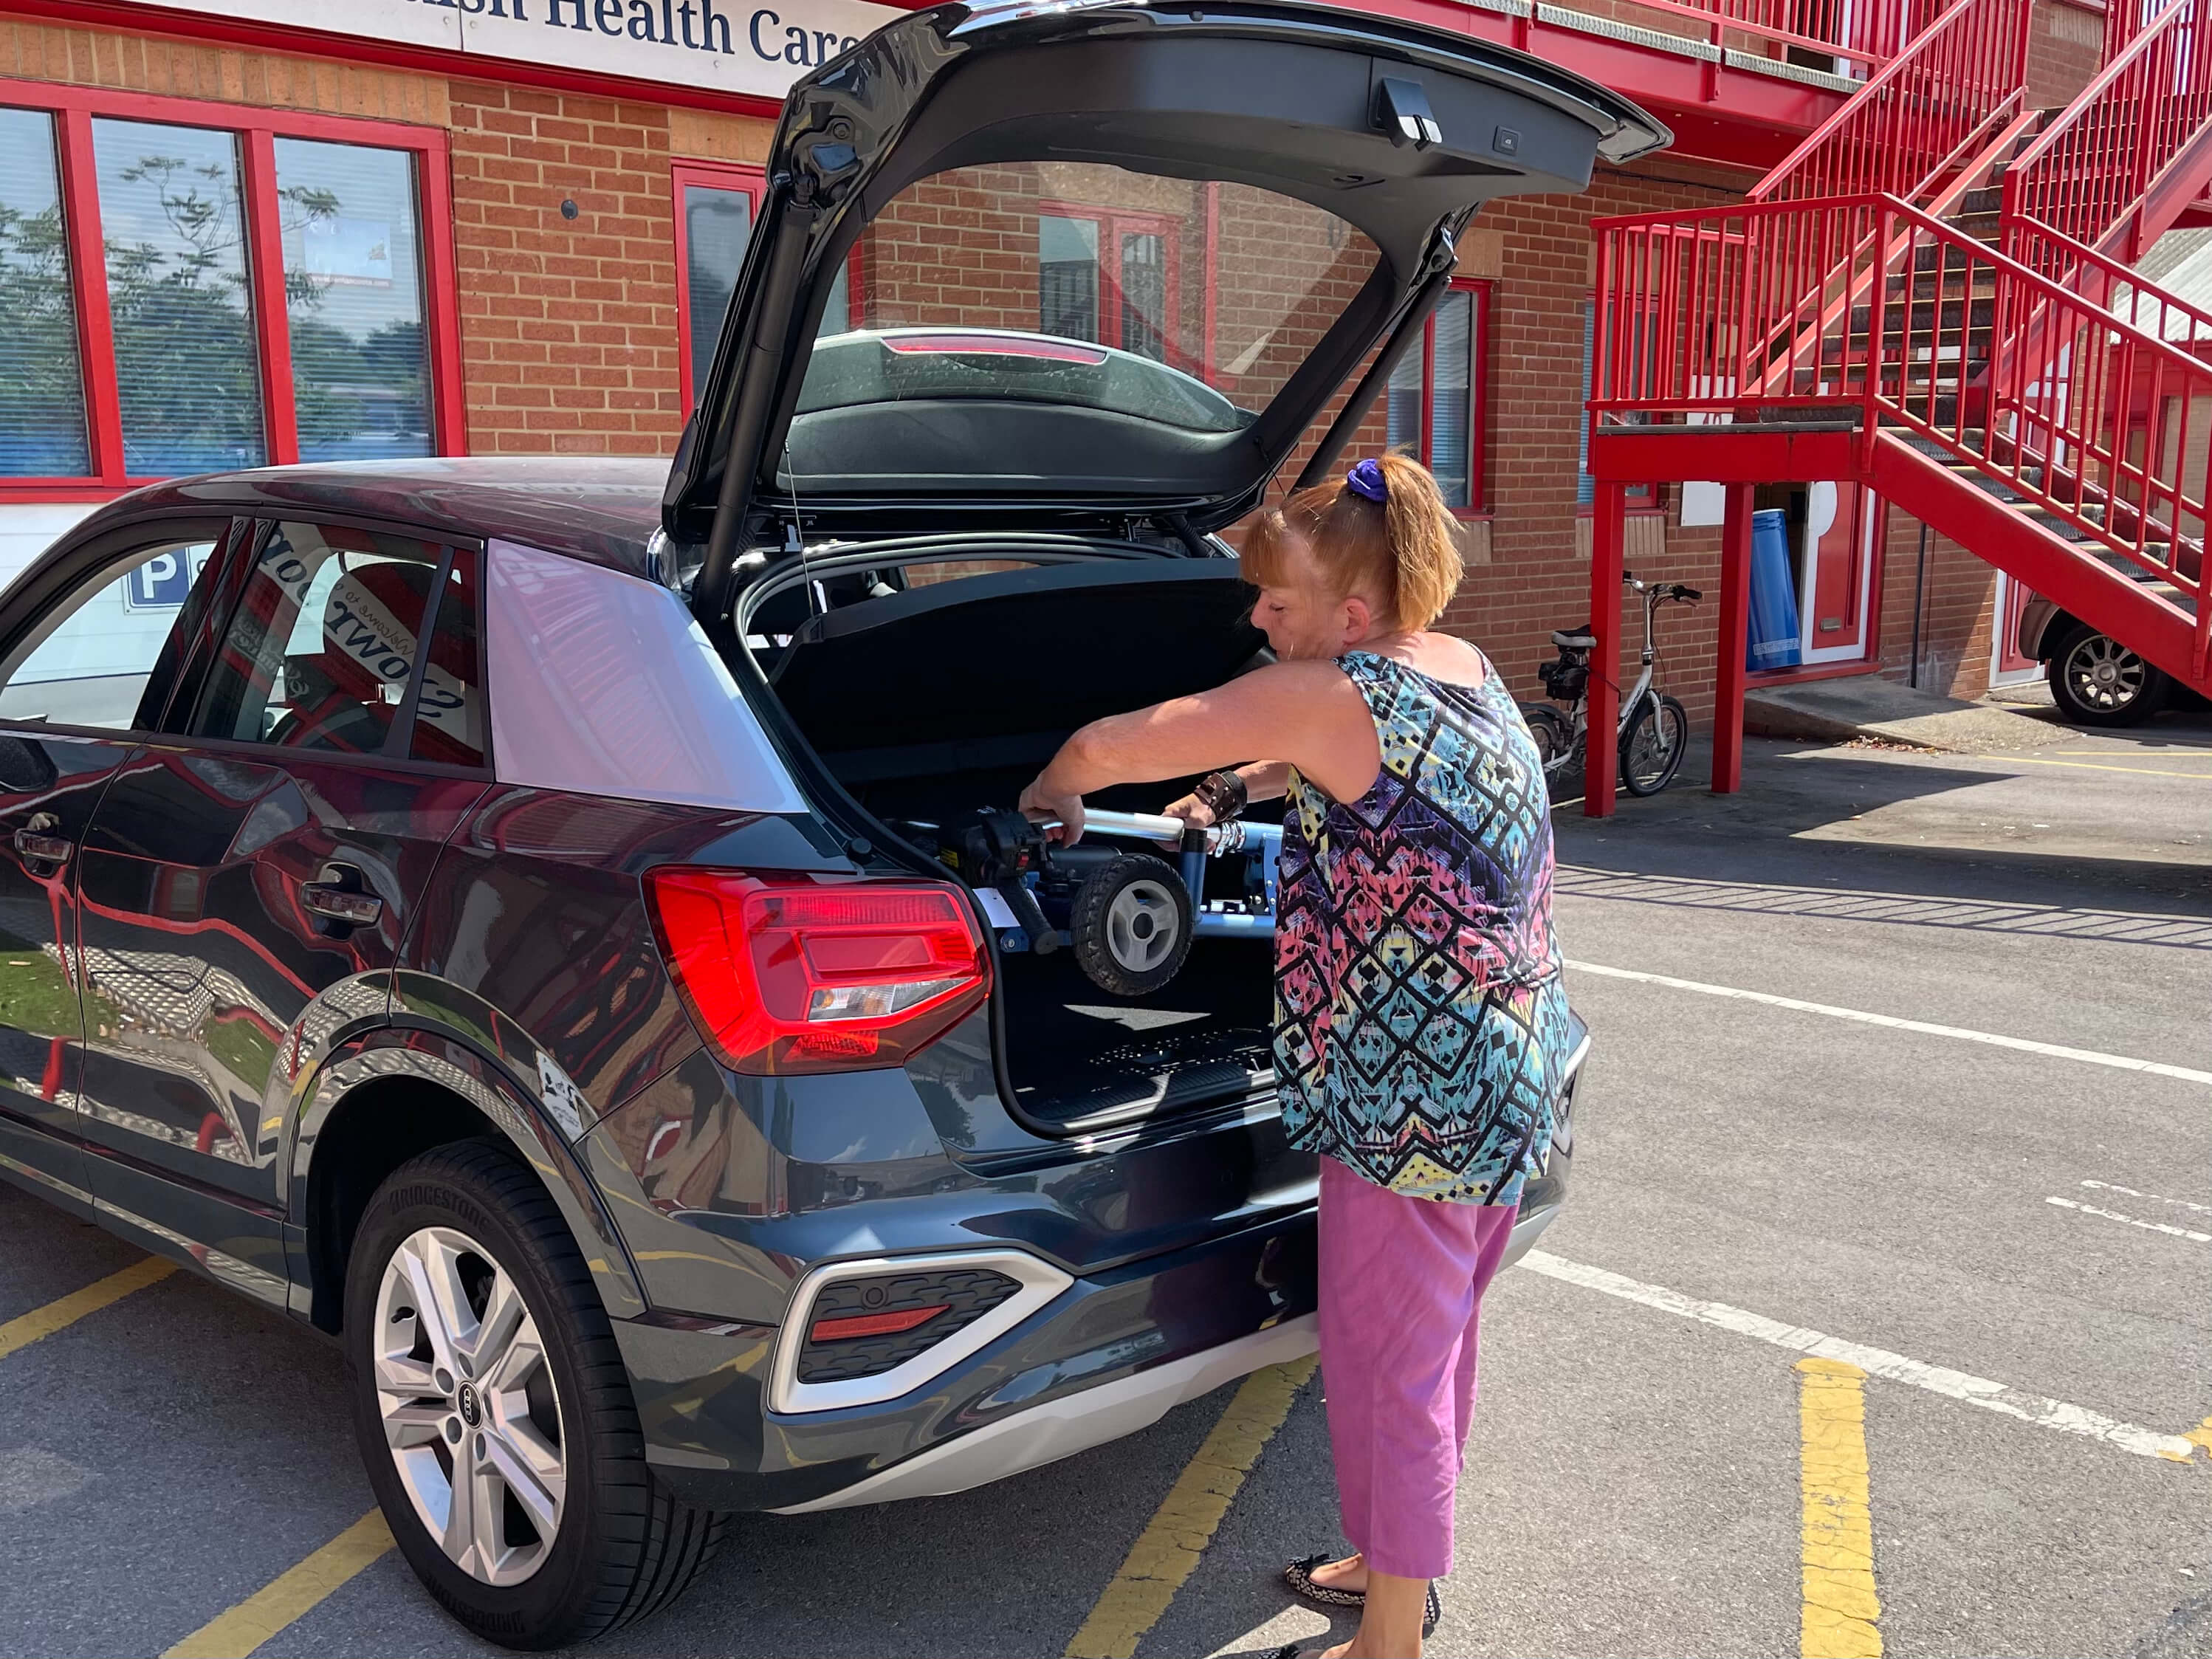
[{"x": 1400, "y": 552}]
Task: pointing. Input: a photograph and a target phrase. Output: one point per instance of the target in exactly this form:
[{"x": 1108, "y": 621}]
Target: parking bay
[{"x": 1635, "y": 1484}]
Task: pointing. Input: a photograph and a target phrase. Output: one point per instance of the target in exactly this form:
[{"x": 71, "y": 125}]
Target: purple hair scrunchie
[{"x": 1365, "y": 479}]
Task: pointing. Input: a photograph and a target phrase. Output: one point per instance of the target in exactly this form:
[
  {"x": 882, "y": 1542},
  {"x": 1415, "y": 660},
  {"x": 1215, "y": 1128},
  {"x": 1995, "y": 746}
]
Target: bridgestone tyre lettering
[{"x": 625, "y": 1547}]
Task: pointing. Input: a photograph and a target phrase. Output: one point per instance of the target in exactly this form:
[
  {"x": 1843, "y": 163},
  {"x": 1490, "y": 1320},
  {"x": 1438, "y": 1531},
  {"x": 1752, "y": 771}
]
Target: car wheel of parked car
[
  {"x": 494, "y": 1412},
  {"x": 2097, "y": 681}
]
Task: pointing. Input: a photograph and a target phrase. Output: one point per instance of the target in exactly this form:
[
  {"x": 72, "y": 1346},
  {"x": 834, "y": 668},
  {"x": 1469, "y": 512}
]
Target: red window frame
[
  {"x": 74, "y": 108},
  {"x": 1113, "y": 224},
  {"x": 733, "y": 176},
  {"x": 1478, "y": 393},
  {"x": 710, "y": 175}
]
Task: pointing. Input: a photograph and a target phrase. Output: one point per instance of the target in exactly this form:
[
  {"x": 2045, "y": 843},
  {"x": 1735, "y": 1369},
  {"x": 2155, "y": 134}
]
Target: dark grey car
[{"x": 482, "y": 908}]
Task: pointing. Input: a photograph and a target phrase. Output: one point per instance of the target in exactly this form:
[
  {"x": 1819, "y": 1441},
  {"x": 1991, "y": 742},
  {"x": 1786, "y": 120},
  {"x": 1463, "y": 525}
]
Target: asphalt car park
[{"x": 1953, "y": 1141}]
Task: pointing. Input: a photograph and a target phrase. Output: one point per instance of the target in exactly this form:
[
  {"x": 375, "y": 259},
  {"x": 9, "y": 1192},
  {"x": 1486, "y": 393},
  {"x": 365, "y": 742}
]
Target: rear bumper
[
  {"x": 1091, "y": 1417},
  {"x": 1104, "y": 1357}
]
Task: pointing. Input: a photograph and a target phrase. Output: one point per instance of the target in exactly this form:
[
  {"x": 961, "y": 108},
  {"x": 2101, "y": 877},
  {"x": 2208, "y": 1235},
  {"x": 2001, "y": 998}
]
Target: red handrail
[
  {"x": 1927, "y": 111},
  {"x": 2092, "y": 172},
  {"x": 2101, "y": 432},
  {"x": 2119, "y": 289},
  {"x": 2124, "y": 21}
]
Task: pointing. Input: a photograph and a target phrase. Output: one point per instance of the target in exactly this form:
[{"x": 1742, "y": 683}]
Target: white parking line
[
  {"x": 2114, "y": 1215},
  {"x": 1876, "y": 1362},
  {"x": 2129, "y": 1191},
  {"x": 2089, "y": 1056}
]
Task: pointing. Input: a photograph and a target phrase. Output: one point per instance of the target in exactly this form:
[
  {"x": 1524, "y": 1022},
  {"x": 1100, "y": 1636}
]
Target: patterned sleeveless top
[{"x": 1420, "y": 1026}]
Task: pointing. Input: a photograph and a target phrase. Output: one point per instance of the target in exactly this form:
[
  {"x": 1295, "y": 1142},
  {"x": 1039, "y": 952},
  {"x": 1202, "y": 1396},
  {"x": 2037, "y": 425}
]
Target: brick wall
[
  {"x": 1956, "y": 601},
  {"x": 568, "y": 325},
  {"x": 2063, "y": 45}
]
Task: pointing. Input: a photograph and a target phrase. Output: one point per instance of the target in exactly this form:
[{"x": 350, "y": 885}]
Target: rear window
[{"x": 1183, "y": 303}]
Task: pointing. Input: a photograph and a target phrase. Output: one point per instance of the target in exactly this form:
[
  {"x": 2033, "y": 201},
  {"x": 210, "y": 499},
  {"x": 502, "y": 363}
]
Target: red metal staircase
[{"x": 1931, "y": 296}]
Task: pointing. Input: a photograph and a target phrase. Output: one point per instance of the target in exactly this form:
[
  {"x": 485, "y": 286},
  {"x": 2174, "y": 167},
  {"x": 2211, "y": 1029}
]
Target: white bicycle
[{"x": 1652, "y": 733}]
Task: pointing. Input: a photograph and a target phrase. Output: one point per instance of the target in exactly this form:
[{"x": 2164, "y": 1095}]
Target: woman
[{"x": 1420, "y": 1022}]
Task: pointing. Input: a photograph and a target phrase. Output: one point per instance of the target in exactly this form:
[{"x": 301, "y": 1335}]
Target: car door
[
  {"x": 248, "y": 877},
  {"x": 93, "y": 637}
]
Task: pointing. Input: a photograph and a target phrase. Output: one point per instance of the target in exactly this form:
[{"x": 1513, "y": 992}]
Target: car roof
[{"x": 603, "y": 509}]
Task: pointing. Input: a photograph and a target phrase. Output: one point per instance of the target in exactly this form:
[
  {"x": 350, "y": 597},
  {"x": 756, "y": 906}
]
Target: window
[
  {"x": 1438, "y": 400},
  {"x": 1641, "y": 494},
  {"x": 1109, "y": 277},
  {"x": 714, "y": 211},
  {"x": 189, "y": 287},
  {"x": 42, "y": 430},
  {"x": 321, "y": 651},
  {"x": 95, "y": 652}
]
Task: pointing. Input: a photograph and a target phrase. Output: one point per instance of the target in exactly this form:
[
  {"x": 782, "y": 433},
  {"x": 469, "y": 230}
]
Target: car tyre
[
  {"x": 553, "y": 1435},
  {"x": 2097, "y": 681}
]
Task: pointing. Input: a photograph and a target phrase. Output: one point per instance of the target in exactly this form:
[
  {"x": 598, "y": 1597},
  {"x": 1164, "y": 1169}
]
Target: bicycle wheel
[
  {"x": 1557, "y": 748},
  {"x": 1651, "y": 749}
]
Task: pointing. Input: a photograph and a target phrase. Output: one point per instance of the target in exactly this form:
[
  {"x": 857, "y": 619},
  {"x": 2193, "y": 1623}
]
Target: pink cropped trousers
[{"x": 1401, "y": 1285}]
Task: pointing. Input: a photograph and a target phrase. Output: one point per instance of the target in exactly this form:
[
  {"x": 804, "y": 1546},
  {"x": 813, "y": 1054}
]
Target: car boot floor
[{"x": 1076, "y": 1053}]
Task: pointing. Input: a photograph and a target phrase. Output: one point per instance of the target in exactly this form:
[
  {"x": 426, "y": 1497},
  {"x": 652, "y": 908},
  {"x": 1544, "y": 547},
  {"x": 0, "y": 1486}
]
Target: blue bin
[{"x": 1774, "y": 632}]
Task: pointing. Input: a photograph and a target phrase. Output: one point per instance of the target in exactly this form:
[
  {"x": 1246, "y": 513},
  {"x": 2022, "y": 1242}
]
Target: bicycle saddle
[{"x": 1579, "y": 639}]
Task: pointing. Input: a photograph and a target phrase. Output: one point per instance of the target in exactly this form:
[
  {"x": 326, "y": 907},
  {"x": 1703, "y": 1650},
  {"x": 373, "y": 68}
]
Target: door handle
[
  {"x": 338, "y": 899},
  {"x": 336, "y": 904},
  {"x": 32, "y": 842}
]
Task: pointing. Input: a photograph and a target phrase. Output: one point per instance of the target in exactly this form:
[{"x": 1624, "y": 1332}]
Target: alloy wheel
[
  {"x": 2105, "y": 675},
  {"x": 471, "y": 1413}
]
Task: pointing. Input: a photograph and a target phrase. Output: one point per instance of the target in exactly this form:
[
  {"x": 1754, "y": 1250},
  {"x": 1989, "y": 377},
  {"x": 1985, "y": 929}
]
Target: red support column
[
  {"x": 1735, "y": 622},
  {"x": 1609, "y": 535}
]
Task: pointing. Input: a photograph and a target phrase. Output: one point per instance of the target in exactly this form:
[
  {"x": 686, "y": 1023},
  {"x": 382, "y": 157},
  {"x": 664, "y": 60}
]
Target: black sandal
[{"x": 1299, "y": 1576}]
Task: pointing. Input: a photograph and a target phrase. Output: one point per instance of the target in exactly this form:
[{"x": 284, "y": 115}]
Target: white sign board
[{"x": 753, "y": 48}]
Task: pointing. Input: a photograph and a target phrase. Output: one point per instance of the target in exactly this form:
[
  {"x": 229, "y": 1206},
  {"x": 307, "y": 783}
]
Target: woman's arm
[
  {"x": 1307, "y": 714},
  {"x": 1263, "y": 781}
]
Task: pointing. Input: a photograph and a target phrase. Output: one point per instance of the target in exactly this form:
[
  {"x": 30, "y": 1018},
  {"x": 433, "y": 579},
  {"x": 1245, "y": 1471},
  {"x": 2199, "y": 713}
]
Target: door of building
[
  {"x": 2006, "y": 665},
  {"x": 1837, "y": 573}
]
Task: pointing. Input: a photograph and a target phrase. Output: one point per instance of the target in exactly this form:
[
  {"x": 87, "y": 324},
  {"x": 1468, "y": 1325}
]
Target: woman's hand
[
  {"x": 1194, "y": 813},
  {"x": 1045, "y": 800}
]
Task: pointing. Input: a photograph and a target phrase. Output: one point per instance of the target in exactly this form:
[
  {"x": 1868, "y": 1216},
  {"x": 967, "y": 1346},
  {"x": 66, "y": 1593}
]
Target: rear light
[
  {"x": 803, "y": 973},
  {"x": 850, "y": 1325}
]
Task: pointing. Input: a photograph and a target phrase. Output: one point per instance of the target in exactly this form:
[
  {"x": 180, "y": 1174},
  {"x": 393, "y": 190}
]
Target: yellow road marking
[
  {"x": 1838, "y": 1536},
  {"x": 26, "y": 1329},
  {"x": 235, "y": 1634},
  {"x": 1167, "y": 1551},
  {"x": 2087, "y": 766},
  {"x": 2200, "y": 1435},
  {"x": 2167, "y": 751}
]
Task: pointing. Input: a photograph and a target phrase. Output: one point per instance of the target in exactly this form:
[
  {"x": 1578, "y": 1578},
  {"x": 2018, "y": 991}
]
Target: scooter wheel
[{"x": 1131, "y": 925}]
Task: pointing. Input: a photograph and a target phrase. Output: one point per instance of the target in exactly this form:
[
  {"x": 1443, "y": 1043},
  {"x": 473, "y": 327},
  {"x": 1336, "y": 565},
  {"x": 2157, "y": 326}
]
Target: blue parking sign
[{"x": 160, "y": 583}]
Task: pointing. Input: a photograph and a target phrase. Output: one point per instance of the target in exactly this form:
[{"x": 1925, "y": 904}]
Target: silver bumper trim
[{"x": 1073, "y": 1422}]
